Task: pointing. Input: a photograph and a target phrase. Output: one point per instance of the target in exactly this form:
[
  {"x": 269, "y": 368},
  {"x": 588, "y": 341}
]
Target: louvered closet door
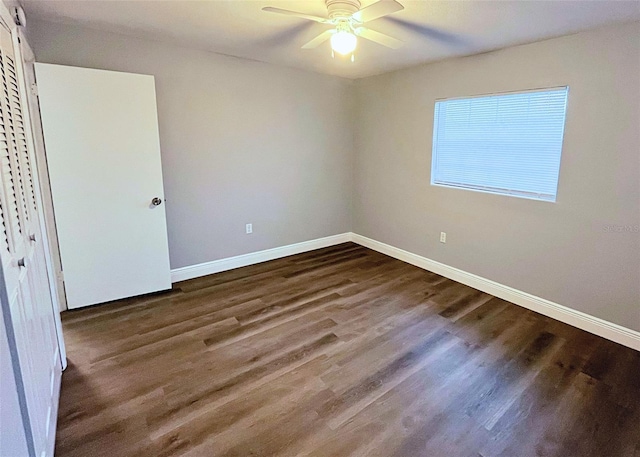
[{"x": 30, "y": 303}]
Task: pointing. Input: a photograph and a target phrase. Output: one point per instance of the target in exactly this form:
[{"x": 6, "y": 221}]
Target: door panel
[{"x": 103, "y": 154}]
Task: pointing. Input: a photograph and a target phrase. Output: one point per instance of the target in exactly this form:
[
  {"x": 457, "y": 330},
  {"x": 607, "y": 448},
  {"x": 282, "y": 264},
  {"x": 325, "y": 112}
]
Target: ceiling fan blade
[
  {"x": 283, "y": 37},
  {"x": 377, "y": 37},
  {"x": 430, "y": 32},
  {"x": 309, "y": 17},
  {"x": 317, "y": 41},
  {"x": 377, "y": 10}
]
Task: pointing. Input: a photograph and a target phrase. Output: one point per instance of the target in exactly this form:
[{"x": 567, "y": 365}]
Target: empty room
[{"x": 377, "y": 228}]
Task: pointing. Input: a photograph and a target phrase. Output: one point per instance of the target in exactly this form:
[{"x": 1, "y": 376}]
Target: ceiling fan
[{"x": 347, "y": 18}]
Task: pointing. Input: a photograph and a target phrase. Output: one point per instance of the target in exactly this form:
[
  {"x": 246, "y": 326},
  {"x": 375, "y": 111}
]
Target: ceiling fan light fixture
[
  {"x": 347, "y": 18},
  {"x": 344, "y": 42}
]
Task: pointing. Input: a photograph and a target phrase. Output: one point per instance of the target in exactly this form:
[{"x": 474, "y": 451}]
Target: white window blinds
[{"x": 507, "y": 144}]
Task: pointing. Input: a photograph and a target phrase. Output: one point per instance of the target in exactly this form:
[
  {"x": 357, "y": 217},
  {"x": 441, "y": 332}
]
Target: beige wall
[
  {"x": 559, "y": 251},
  {"x": 242, "y": 142}
]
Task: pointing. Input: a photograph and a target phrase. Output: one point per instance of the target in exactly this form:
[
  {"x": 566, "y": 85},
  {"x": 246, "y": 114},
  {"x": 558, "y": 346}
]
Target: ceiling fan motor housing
[{"x": 342, "y": 8}]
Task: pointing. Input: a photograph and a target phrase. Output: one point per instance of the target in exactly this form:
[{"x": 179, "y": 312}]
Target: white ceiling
[{"x": 431, "y": 30}]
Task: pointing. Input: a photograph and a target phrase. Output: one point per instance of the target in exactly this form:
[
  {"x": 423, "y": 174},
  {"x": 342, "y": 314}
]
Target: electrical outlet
[
  {"x": 443, "y": 237},
  {"x": 249, "y": 228}
]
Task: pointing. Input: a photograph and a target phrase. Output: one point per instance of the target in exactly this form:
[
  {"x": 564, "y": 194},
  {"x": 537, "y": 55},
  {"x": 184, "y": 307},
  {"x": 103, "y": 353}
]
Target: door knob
[
  {"x": 32, "y": 238},
  {"x": 156, "y": 201},
  {"x": 22, "y": 263}
]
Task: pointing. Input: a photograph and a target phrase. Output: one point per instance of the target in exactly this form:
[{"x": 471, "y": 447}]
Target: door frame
[{"x": 44, "y": 190}]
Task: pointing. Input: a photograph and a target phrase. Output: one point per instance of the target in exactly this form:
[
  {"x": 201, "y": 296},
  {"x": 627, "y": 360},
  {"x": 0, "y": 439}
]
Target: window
[{"x": 506, "y": 144}]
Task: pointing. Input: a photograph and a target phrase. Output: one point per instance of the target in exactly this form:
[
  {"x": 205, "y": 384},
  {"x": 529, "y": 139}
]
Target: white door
[
  {"x": 27, "y": 305},
  {"x": 103, "y": 154}
]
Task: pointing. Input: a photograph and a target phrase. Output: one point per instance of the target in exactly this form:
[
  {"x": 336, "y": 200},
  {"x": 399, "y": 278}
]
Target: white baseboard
[
  {"x": 595, "y": 325},
  {"x": 592, "y": 324},
  {"x": 229, "y": 263}
]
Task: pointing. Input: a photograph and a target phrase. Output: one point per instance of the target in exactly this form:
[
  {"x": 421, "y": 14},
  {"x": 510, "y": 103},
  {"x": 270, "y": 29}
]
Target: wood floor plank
[{"x": 340, "y": 351}]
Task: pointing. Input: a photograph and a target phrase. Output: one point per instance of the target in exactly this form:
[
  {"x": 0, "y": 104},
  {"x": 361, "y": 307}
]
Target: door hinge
[
  {"x": 19, "y": 17},
  {"x": 34, "y": 89}
]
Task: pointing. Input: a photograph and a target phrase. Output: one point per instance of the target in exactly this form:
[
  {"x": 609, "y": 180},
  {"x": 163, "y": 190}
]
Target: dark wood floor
[{"x": 338, "y": 352}]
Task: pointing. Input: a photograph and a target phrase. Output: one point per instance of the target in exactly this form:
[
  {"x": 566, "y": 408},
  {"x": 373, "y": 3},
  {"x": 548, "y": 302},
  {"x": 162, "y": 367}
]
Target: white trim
[
  {"x": 591, "y": 324},
  {"x": 39, "y": 171},
  {"x": 229, "y": 263}
]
